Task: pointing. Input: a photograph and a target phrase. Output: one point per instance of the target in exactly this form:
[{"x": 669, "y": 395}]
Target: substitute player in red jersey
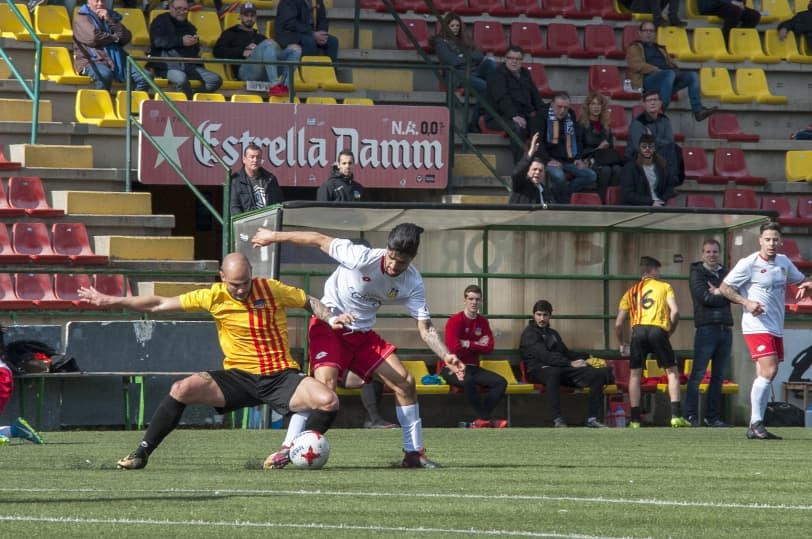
[
  {"x": 365, "y": 279},
  {"x": 252, "y": 329}
]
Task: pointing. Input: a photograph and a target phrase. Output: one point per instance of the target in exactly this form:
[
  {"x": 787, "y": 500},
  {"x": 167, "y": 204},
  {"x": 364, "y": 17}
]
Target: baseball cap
[{"x": 248, "y": 7}]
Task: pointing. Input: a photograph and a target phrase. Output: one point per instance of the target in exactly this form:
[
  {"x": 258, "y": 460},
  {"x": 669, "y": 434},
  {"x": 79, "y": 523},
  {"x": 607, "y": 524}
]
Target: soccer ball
[{"x": 309, "y": 450}]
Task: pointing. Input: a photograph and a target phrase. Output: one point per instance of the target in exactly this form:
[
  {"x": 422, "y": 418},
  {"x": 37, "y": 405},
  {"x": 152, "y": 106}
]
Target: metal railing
[{"x": 31, "y": 92}]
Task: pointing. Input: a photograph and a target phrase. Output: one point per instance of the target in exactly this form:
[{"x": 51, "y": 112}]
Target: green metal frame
[{"x": 31, "y": 92}]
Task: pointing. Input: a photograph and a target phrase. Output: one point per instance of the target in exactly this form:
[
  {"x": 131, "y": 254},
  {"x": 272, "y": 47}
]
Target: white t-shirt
[
  {"x": 360, "y": 286},
  {"x": 764, "y": 281}
]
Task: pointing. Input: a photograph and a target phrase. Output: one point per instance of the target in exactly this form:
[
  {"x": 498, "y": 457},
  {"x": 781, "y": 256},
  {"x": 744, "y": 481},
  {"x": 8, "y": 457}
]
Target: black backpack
[
  {"x": 800, "y": 364},
  {"x": 25, "y": 357}
]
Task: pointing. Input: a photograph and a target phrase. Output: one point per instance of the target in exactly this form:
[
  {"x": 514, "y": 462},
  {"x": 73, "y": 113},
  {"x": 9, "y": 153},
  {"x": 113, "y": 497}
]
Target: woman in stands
[
  {"x": 596, "y": 142},
  {"x": 454, "y": 48}
]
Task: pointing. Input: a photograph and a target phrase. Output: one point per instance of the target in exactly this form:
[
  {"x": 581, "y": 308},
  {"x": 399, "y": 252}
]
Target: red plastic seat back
[
  {"x": 790, "y": 248},
  {"x": 112, "y": 284},
  {"x": 604, "y": 79},
  {"x": 527, "y": 34},
  {"x": 490, "y": 36},
  {"x": 618, "y": 122},
  {"x": 631, "y": 33},
  {"x": 26, "y": 192},
  {"x": 419, "y": 30},
  {"x": 600, "y": 39},
  {"x": 31, "y": 238},
  {"x": 586, "y": 199},
  {"x": 539, "y": 75},
  {"x": 70, "y": 239},
  {"x": 778, "y": 203},
  {"x": 562, "y": 38},
  {"x": 34, "y": 286},
  {"x": 66, "y": 285},
  {"x": 729, "y": 162},
  {"x": 743, "y": 199},
  {"x": 804, "y": 209},
  {"x": 696, "y": 162},
  {"x": 700, "y": 201}
]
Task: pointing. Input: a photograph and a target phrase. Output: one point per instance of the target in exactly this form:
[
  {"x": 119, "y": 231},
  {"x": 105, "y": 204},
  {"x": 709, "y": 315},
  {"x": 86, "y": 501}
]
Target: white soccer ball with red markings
[{"x": 309, "y": 450}]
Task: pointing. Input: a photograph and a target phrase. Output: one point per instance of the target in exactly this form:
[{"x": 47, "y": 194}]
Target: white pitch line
[
  {"x": 490, "y": 497},
  {"x": 292, "y": 525}
]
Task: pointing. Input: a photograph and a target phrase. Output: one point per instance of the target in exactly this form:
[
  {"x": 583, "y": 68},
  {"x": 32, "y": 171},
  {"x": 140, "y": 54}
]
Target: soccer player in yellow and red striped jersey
[
  {"x": 652, "y": 308},
  {"x": 252, "y": 329}
]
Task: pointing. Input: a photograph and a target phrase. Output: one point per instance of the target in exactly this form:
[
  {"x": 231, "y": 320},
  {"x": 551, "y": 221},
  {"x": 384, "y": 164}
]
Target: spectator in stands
[
  {"x": 513, "y": 94},
  {"x": 713, "y": 339},
  {"x": 653, "y": 121},
  {"x": 99, "y": 38},
  {"x": 454, "y": 48},
  {"x": 734, "y": 14},
  {"x": 652, "y": 305},
  {"x": 656, "y": 7},
  {"x": 468, "y": 334},
  {"x": 650, "y": 67},
  {"x": 305, "y": 23},
  {"x": 528, "y": 177},
  {"x": 597, "y": 143},
  {"x": 548, "y": 361},
  {"x": 243, "y": 41},
  {"x": 646, "y": 181},
  {"x": 253, "y": 187},
  {"x": 800, "y": 24},
  {"x": 341, "y": 186},
  {"x": 171, "y": 35},
  {"x": 560, "y": 151}
]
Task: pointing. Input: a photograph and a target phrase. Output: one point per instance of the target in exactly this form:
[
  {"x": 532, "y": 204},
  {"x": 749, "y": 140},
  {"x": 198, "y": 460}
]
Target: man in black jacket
[
  {"x": 340, "y": 186},
  {"x": 800, "y": 23},
  {"x": 305, "y": 23},
  {"x": 714, "y": 334},
  {"x": 527, "y": 185},
  {"x": 646, "y": 180},
  {"x": 253, "y": 187},
  {"x": 548, "y": 361}
]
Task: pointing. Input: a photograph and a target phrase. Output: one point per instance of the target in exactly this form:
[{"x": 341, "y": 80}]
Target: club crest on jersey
[
  {"x": 260, "y": 303},
  {"x": 393, "y": 293},
  {"x": 478, "y": 332}
]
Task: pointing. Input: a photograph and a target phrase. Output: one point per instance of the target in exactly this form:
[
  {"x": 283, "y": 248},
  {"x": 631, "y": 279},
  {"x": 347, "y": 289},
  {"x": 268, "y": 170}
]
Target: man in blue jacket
[{"x": 304, "y": 22}]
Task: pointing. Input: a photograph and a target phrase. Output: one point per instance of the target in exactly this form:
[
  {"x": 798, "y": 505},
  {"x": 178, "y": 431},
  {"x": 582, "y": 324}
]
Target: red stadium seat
[
  {"x": 514, "y": 8},
  {"x": 586, "y": 199},
  {"x": 804, "y": 210},
  {"x": 26, "y": 192},
  {"x": 700, "y": 201},
  {"x": 38, "y": 288},
  {"x": 802, "y": 306},
  {"x": 539, "y": 75},
  {"x": 402, "y": 6},
  {"x": 790, "y": 248},
  {"x": 446, "y": 6},
  {"x": 613, "y": 195},
  {"x": 725, "y": 126},
  {"x": 631, "y": 33},
  {"x": 565, "y": 8},
  {"x": 32, "y": 239},
  {"x": 66, "y": 287},
  {"x": 5, "y": 164},
  {"x": 528, "y": 36},
  {"x": 599, "y": 40},
  {"x": 490, "y": 36},
  {"x": 372, "y": 4},
  {"x": 739, "y": 199},
  {"x": 112, "y": 284},
  {"x": 419, "y": 30},
  {"x": 562, "y": 40},
  {"x": 605, "y": 79},
  {"x": 730, "y": 163},
  {"x": 479, "y": 7},
  {"x": 485, "y": 130},
  {"x": 8, "y": 298},
  {"x": 618, "y": 122},
  {"x": 71, "y": 239},
  {"x": 697, "y": 168},
  {"x": 780, "y": 204},
  {"x": 5, "y": 209},
  {"x": 603, "y": 9},
  {"x": 7, "y": 254}
]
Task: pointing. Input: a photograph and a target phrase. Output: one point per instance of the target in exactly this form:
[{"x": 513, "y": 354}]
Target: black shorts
[
  {"x": 650, "y": 340},
  {"x": 242, "y": 389}
]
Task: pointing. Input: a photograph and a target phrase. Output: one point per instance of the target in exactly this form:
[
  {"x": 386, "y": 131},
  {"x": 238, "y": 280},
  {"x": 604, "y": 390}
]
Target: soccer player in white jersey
[
  {"x": 758, "y": 282},
  {"x": 365, "y": 279}
]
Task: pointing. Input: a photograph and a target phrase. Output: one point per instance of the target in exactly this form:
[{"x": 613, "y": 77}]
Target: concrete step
[
  {"x": 80, "y": 179},
  {"x": 53, "y": 156},
  {"x": 145, "y": 248},
  {"x": 20, "y": 110},
  {"x": 471, "y": 165},
  {"x": 168, "y": 288},
  {"x": 102, "y": 203}
]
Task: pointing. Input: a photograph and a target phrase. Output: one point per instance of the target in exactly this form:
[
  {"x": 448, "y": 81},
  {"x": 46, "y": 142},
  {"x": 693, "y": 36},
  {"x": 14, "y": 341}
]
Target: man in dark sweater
[
  {"x": 801, "y": 24},
  {"x": 340, "y": 186},
  {"x": 253, "y": 187}
]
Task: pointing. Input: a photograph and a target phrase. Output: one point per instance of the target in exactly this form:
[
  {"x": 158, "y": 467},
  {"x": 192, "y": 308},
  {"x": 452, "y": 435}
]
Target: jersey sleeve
[
  {"x": 196, "y": 300},
  {"x": 739, "y": 275},
  {"x": 351, "y": 255},
  {"x": 625, "y": 304},
  {"x": 794, "y": 275},
  {"x": 416, "y": 304},
  {"x": 286, "y": 295}
]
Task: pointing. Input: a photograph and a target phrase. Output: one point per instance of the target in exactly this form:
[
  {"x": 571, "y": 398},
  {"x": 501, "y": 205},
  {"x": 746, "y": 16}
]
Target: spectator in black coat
[
  {"x": 528, "y": 177},
  {"x": 305, "y": 23},
  {"x": 341, "y": 186},
  {"x": 801, "y": 24},
  {"x": 646, "y": 181},
  {"x": 253, "y": 187}
]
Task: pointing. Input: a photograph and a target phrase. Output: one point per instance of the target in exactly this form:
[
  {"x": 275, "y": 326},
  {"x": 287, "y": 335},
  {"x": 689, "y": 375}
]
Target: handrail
[{"x": 33, "y": 94}]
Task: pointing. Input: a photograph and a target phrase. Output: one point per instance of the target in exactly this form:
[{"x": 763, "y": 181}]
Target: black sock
[
  {"x": 635, "y": 414},
  {"x": 676, "y": 409},
  {"x": 164, "y": 421},
  {"x": 320, "y": 420},
  {"x": 370, "y": 397}
]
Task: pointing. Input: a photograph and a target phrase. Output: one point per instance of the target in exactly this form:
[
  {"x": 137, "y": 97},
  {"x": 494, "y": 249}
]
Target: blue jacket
[{"x": 294, "y": 18}]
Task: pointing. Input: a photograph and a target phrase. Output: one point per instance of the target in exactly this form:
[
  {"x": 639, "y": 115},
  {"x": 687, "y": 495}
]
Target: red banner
[{"x": 404, "y": 147}]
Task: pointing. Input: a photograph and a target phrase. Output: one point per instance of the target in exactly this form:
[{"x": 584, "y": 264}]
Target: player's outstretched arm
[
  {"x": 323, "y": 313},
  {"x": 430, "y": 336},
  {"x": 141, "y": 304},
  {"x": 266, "y": 236}
]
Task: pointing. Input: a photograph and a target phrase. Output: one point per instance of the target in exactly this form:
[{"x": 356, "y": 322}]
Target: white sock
[
  {"x": 295, "y": 426},
  {"x": 759, "y": 395},
  {"x": 411, "y": 426}
]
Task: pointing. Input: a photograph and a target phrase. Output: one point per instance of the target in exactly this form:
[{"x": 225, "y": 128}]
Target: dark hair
[
  {"x": 772, "y": 225},
  {"x": 648, "y": 93},
  {"x": 542, "y": 306},
  {"x": 250, "y": 146},
  {"x": 404, "y": 239},
  {"x": 647, "y": 138},
  {"x": 515, "y": 48},
  {"x": 461, "y": 40},
  {"x": 645, "y": 23},
  {"x": 648, "y": 263},
  {"x": 711, "y": 241},
  {"x": 345, "y": 152},
  {"x": 472, "y": 288},
  {"x": 562, "y": 95}
]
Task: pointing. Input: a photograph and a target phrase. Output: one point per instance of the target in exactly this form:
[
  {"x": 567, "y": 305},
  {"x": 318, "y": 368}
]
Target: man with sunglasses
[{"x": 646, "y": 180}]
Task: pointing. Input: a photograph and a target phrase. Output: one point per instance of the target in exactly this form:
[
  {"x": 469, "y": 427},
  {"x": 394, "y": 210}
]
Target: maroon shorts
[
  {"x": 763, "y": 345},
  {"x": 6, "y": 387},
  {"x": 358, "y": 351}
]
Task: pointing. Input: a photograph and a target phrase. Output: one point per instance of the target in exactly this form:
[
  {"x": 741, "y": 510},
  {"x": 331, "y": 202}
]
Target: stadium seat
[
  {"x": 792, "y": 303},
  {"x": 71, "y": 239},
  {"x": 803, "y": 210},
  {"x": 786, "y": 49},
  {"x": 528, "y": 36},
  {"x": 418, "y": 370},
  {"x": 631, "y": 33},
  {"x": 586, "y": 199},
  {"x": 613, "y": 195},
  {"x": 7, "y": 210},
  {"x": 618, "y": 122},
  {"x": 270, "y": 29},
  {"x": 723, "y": 125},
  {"x": 790, "y": 248},
  {"x": 675, "y": 39},
  {"x": 799, "y": 165},
  {"x": 776, "y": 10},
  {"x": 7, "y": 254},
  {"x": 52, "y": 23},
  {"x": 753, "y": 83},
  {"x": 602, "y": 9},
  {"x": 365, "y": 101},
  {"x": 746, "y": 42},
  {"x": 322, "y": 76},
  {"x": 565, "y": 8},
  {"x": 502, "y": 368},
  {"x": 419, "y": 29},
  {"x": 57, "y": 66},
  {"x": 710, "y": 39},
  {"x": 697, "y": 167},
  {"x": 8, "y": 298},
  {"x": 172, "y": 96},
  {"x": 208, "y": 26},
  {"x": 7, "y": 165},
  {"x": 780, "y": 204},
  {"x": 10, "y": 25},
  {"x": 739, "y": 199},
  {"x": 27, "y": 192},
  {"x": 95, "y": 107},
  {"x": 138, "y": 96},
  {"x": 730, "y": 163},
  {"x": 66, "y": 287},
  {"x": 692, "y": 12},
  {"x": 31, "y": 239},
  {"x": 246, "y": 98},
  {"x": 599, "y": 40},
  {"x": 209, "y": 97},
  {"x": 478, "y": 7},
  {"x": 539, "y": 76},
  {"x": 112, "y": 284},
  {"x": 605, "y": 79},
  {"x": 514, "y": 8},
  {"x": 283, "y": 99},
  {"x": 223, "y": 71},
  {"x": 485, "y": 130},
  {"x": 38, "y": 288},
  {"x": 490, "y": 37},
  {"x": 135, "y": 22},
  {"x": 321, "y": 100},
  {"x": 715, "y": 82},
  {"x": 562, "y": 40},
  {"x": 700, "y": 201}
]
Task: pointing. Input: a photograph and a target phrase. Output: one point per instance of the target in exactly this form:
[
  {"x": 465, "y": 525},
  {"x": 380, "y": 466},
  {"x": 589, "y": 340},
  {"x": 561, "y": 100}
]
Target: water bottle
[
  {"x": 627, "y": 85},
  {"x": 620, "y": 417}
]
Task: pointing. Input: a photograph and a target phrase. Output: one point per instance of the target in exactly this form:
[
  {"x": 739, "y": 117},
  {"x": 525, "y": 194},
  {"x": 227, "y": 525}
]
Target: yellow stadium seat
[
  {"x": 710, "y": 39},
  {"x": 418, "y": 370},
  {"x": 270, "y": 30},
  {"x": 57, "y": 66},
  {"x": 208, "y": 26},
  {"x": 246, "y": 98},
  {"x": 5, "y": 71},
  {"x": 53, "y": 23},
  {"x": 502, "y": 368},
  {"x": 95, "y": 107},
  {"x": 773, "y": 10},
  {"x": 321, "y": 100},
  {"x": 135, "y": 22},
  {"x": 787, "y": 49},
  {"x": 224, "y": 71},
  {"x": 675, "y": 39},
  {"x": 799, "y": 165},
  {"x": 212, "y": 98},
  {"x": 155, "y": 12},
  {"x": 283, "y": 99},
  {"x": 358, "y": 101},
  {"x": 746, "y": 41},
  {"x": 323, "y": 76},
  {"x": 10, "y": 25},
  {"x": 753, "y": 83},
  {"x": 715, "y": 82},
  {"x": 172, "y": 96},
  {"x": 232, "y": 18},
  {"x": 121, "y": 102},
  {"x": 692, "y": 12}
]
